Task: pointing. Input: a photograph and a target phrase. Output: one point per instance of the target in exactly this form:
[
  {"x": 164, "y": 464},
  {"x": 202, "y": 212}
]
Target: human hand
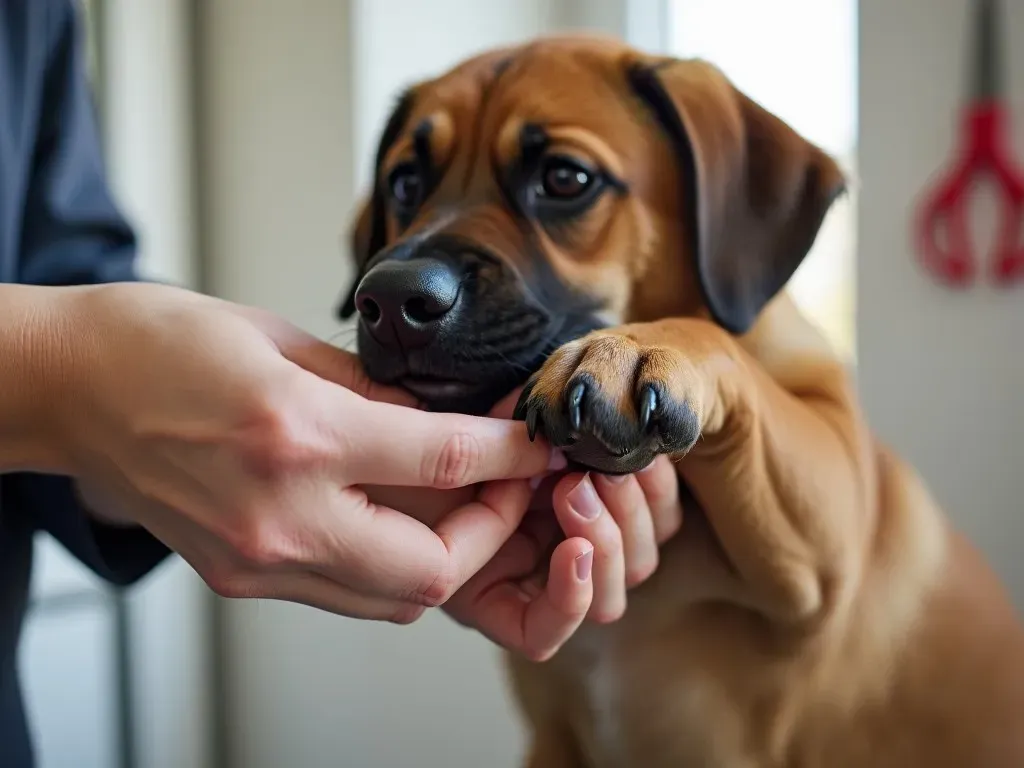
[
  {"x": 530, "y": 597},
  {"x": 523, "y": 598},
  {"x": 626, "y": 517},
  {"x": 241, "y": 442}
]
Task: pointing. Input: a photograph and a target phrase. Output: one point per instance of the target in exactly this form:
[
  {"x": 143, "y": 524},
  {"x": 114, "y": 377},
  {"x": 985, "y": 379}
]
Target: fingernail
[
  {"x": 535, "y": 482},
  {"x": 615, "y": 479},
  {"x": 583, "y": 499},
  {"x": 584, "y": 565},
  {"x": 557, "y": 461}
]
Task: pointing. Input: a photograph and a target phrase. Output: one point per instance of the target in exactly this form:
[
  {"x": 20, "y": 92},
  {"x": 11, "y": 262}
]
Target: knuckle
[
  {"x": 440, "y": 590},
  {"x": 275, "y": 443},
  {"x": 406, "y": 614},
  {"x": 260, "y": 545},
  {"x": 263, "y": 552},
  {"x": 455, "y": 463}
]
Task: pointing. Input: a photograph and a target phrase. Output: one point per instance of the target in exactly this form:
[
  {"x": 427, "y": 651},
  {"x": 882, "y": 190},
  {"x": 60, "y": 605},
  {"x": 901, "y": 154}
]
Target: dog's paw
[{"x": 612, "y": 403}]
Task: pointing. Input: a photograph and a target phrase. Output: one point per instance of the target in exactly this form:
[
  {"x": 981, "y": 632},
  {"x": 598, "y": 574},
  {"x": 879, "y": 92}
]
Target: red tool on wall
[{"x": 984, "y": 150}]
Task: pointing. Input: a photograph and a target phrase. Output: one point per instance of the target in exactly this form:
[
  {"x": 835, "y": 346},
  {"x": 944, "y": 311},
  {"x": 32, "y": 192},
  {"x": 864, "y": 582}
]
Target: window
[{"x": 798, "y": 58}]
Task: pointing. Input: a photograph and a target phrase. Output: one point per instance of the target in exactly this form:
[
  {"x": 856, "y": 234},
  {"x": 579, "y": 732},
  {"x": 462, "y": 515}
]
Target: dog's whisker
[{"x": 343, "y": 337}]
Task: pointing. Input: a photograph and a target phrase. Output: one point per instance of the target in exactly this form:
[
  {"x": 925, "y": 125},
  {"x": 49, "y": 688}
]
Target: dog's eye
[
  {"x": 563, "y": 179},
  {"x": 406, "y": 185}
]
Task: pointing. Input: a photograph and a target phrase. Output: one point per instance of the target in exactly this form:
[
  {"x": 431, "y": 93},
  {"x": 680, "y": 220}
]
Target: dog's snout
[{"x": 405, "y": 301}]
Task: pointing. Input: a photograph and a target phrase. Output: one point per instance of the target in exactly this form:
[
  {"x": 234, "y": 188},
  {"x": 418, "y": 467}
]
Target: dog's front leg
[{"x": 775, "y": 451}]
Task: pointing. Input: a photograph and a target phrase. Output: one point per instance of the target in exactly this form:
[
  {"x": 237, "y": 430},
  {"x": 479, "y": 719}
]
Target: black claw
[
  {"x": 575, "y": 399},
  {"x": 648, "y": 405},
  {"x": 520, "y": 411},
  {"x": 532, "y": 417}
]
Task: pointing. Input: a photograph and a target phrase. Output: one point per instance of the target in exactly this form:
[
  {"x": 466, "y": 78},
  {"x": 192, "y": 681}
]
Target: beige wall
[{"x": 942, "y": 372}]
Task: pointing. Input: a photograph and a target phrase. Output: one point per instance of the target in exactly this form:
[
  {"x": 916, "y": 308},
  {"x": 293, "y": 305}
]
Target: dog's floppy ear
[
  {"x": 755, "y": 191},
  {"x": 369, "y": 231}
]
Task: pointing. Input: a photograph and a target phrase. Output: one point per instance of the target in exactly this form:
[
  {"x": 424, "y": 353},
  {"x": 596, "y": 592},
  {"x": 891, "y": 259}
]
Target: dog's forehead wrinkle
[
  {"x": 488, "y": 84},
  {"x": 513, "y": 92}
]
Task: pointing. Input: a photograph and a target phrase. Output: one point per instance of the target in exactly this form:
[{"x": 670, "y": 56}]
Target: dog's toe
[{"x": 611, "y": 418}]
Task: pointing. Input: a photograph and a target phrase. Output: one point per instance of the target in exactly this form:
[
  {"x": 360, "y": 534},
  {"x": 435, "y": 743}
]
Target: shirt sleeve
[{"x": 74, "y": 235}]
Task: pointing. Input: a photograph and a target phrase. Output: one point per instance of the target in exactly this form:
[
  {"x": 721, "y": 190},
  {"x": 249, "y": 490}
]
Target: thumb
[
  {"x": 400, "y": 446},
  {"x": 323, "y": 360},
  {"x": 341, "y": 367}
]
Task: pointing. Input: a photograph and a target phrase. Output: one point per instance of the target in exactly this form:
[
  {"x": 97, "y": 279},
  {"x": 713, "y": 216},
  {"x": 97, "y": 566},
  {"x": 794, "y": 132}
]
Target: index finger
[{"x": 392, "y": 445}]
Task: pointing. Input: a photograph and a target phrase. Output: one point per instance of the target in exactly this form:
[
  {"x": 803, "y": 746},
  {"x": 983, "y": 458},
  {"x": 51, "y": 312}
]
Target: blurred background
[{"x": 239, "y": 136}]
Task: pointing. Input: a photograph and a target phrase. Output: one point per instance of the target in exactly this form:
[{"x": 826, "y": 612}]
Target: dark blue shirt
[{"x": 58, "y": 226}]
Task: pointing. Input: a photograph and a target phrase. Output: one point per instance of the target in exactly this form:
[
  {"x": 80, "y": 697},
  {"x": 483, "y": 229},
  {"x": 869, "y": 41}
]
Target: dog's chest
[
  {"x": 591, "y": 663},
  {"x": 637, "y": 705}
]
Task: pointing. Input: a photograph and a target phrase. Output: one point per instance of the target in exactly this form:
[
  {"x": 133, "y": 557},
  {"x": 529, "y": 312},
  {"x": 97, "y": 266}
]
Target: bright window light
[{"x": 797, "y": 58}]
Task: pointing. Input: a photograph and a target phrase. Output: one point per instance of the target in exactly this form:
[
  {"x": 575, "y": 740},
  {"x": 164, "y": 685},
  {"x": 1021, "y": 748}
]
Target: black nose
[{"x": 407, "y": 301}]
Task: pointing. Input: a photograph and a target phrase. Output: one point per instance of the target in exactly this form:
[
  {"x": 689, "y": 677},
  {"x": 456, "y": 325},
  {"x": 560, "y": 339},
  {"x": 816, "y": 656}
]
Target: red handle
[
  {"x": 944, "y": 212},
  {"x": 984, "y": 151},
  {"x": 1008, "y": 266}
]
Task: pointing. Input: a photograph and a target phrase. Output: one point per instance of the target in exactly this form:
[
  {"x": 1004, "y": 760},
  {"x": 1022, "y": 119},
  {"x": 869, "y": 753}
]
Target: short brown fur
[{"x": 816, "y": 610}]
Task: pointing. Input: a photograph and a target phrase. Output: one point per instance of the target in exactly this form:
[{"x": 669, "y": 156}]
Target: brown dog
[{"x": 618, "y": 229}]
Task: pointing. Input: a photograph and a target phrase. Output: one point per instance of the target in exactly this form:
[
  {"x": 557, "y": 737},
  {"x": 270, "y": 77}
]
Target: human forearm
[{"x": 36, "y": 347}]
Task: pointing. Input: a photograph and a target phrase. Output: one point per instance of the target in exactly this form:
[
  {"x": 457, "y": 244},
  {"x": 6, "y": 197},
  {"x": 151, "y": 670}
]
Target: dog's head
[{"x": 532, "y": 194}]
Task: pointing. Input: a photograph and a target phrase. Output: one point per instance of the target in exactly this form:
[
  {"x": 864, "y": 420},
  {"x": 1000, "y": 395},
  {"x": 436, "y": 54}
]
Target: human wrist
[{"x": 36, "y": 358}]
